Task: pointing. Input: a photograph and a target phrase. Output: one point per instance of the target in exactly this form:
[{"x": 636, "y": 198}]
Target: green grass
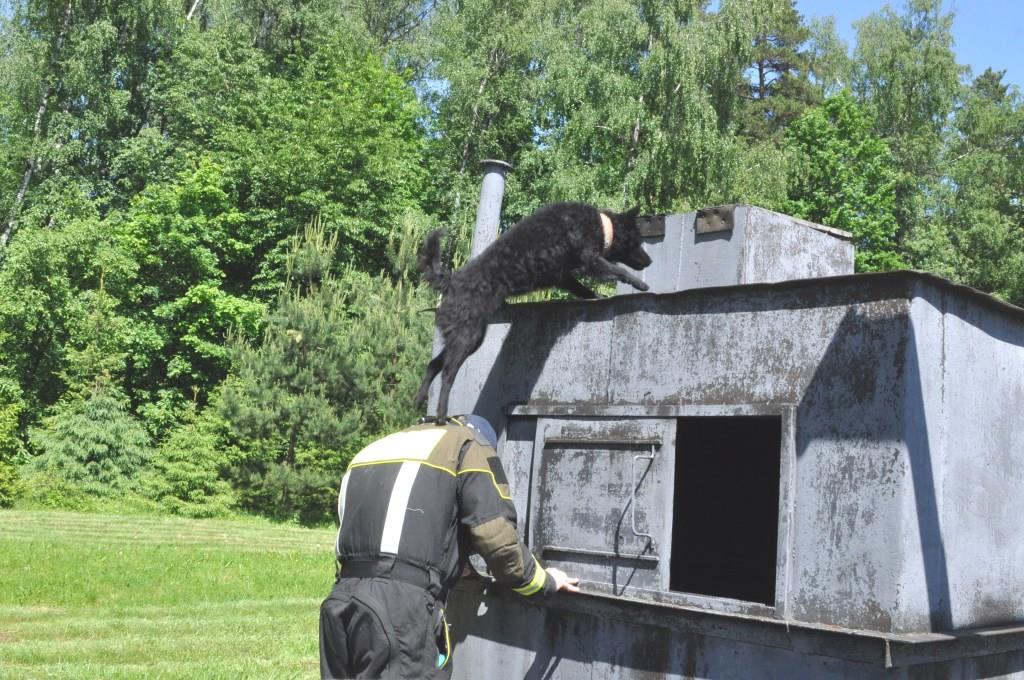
[{"x": 113, "y": 596}]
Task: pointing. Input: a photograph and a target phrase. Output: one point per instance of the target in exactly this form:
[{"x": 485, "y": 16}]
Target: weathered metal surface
[
  {"x": 900, "y": 496},
  {"x": 595, "y": 482},
  {"x": 607, "y": 637},
  {"x": 966, "y": 438},
  {"x": 738, "y": 244}
]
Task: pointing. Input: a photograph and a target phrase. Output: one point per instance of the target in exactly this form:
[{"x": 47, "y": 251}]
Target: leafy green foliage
[
  {"x": 185, "y": 236},
  {"x": 187, "y": 475},
  {"x": 159, "y": 162},
  {"x": 334, "y": 134},
  {"x": 11, "y": 447},
  {"x": 907, "y": 78},
  {"x": 845, "y": 179},
  {"x": 609, "y": 102},
  {"x": 338, "y": 364},
  {"x": 93, "y": 443},
  {"x": 978, "y": 239}
]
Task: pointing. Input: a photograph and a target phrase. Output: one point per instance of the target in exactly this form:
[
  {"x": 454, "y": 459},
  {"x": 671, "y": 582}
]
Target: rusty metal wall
[{"x": 901, "y": 495}]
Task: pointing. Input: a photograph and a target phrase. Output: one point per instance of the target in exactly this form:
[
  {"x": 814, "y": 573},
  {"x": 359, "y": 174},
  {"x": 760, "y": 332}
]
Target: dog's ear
[{"x": 632, "y": 213}]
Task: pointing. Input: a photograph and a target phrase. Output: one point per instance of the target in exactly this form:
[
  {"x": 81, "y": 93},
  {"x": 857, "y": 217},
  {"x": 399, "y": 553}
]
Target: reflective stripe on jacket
[{"x": 414, "y": 494}]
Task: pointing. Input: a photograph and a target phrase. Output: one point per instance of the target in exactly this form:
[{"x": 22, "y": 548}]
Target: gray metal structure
[
  {"x": 757, "y": 474},
  {"x": 488, "y": 212}
]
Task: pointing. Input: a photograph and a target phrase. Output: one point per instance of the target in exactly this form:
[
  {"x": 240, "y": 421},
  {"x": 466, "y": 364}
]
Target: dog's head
[{"x": 627, "y": 244}]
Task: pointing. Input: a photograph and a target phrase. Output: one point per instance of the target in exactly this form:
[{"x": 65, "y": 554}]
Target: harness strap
[{"x": 399, "y": 570}]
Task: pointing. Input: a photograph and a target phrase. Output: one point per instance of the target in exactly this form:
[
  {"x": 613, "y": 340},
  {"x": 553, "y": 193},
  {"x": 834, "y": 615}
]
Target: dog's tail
[{"x": 429, "y": 261}]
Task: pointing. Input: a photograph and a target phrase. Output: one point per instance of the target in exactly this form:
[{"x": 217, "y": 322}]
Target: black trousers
[{"x": 382, "y": 628}]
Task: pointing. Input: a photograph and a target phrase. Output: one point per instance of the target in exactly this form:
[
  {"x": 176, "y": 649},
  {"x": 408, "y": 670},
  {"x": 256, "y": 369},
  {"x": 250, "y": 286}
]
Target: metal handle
[
  {"x": 549, "y": 549},
  {"x": 636, "y": 484}
]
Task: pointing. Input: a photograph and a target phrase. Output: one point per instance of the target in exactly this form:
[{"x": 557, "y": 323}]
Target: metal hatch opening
[{"x": 726, "y": 507}]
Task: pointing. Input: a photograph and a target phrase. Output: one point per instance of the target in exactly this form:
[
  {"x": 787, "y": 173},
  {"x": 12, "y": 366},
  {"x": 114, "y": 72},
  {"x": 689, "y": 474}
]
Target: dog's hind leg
[
  {"x": 456, "y": 354},
  {"x": 433, "y": 368}
]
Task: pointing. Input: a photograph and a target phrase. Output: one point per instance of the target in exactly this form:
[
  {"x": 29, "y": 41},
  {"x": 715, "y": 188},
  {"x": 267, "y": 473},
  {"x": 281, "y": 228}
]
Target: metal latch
[{"x": 636, "y": 485}]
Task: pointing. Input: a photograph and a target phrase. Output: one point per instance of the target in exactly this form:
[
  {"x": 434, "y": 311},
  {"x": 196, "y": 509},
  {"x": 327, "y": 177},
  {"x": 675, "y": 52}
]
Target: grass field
[{"x": 107, "y": 596}]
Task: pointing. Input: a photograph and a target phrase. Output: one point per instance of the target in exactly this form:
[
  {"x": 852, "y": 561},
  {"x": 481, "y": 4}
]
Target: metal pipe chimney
[{"x": 488, "y": 212}]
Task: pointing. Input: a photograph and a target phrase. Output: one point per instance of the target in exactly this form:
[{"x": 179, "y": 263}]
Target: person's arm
[{"x": 487, "y": 513}]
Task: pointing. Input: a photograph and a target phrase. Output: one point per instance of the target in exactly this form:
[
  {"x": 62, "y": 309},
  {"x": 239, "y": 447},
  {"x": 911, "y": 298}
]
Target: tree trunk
[
  {"x": 37, "y": 130},
  {"x": 192, "y": 10}
]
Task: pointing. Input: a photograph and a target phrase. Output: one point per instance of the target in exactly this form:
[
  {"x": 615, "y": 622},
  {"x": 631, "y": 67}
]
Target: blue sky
[{"x": 987, "y": 32}]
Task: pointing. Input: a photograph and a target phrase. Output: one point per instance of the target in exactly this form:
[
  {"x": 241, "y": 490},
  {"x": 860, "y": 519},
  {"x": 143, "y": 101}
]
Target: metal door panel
[{"x": 601, "y": 508}]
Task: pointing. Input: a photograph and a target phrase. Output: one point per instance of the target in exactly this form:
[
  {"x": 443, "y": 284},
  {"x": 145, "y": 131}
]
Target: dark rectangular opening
[{"x": 726, "y": 508}]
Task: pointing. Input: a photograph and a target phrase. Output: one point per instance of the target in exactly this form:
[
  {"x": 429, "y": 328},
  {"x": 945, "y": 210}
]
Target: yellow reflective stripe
[
  {"x": 402, "y": 460},
  {"x": 493, "y": 480},
  {"x": 411, "y": 445},
  {"x": 447, "y": 641},
  {"x": 539, "y": 577},
  {"x": 393, "y": 461}
]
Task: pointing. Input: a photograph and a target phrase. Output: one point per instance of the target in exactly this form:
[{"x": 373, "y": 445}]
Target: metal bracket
[
  {"x": 651, "y": 226},
  {"x": 718, "y": 218}
]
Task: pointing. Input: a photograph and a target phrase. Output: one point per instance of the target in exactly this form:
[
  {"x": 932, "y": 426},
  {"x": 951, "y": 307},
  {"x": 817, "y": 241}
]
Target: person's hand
[{"x": 563, "y": 581}]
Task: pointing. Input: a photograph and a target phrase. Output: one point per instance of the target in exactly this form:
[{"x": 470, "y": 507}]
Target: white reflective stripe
[
  {"x": 397, "y": 507},
  {"x": 341, "y": 512},
  {"x": 415, "y": 445}
]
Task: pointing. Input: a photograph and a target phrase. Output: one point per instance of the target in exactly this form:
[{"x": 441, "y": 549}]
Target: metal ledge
[{"x": 888, "y": 650}]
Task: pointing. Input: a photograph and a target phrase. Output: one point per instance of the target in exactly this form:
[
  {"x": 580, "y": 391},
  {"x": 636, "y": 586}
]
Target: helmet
[{"x": 482, "y": 428}]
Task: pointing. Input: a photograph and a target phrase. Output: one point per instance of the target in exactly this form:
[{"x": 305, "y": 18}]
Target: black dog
[{"x": 549, "y": 248}]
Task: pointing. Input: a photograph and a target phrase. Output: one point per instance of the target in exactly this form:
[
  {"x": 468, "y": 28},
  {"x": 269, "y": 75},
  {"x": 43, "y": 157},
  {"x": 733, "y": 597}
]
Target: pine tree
[
  {"x": 188, "y": 471},
  {"x": 778, "y": 85},
  {"x": 93, "y": 442},
  {"x": 336, "y": 366}
]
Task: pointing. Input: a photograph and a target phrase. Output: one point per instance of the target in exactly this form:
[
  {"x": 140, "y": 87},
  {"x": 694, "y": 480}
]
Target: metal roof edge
[{"x": 878, "y": 280}]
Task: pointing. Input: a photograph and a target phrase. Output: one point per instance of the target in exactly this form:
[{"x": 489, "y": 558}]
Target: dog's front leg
[
  {"x": 576, "y": 288},
  {"x": 602, "y": 267}
]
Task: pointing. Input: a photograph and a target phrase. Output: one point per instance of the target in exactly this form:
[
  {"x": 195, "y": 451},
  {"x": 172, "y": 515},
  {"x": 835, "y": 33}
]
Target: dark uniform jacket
[{"x": 425, "y": 498}]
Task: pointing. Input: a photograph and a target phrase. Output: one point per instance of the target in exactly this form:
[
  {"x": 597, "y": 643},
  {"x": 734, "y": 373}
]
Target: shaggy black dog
[{"x": 549, "y": 248}]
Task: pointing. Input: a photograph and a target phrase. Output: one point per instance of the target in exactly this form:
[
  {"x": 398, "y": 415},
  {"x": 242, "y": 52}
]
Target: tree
[
  {"x": 48, "y": 287},
  {"x": 978, "y": 237},
  {"x": 336, "y": 366},
  {"x": 11, "y": 445},
  {"x": 92, "y": 442},
  {"x": 907, "y": 78},
  {"x": 88, "y": 65},
  {"x": 845, "y": 179},
  {"x": 188, "y": 472},
  {"x": 332, "y": 133},
  {"x": 608, "y": 102},
  {"x": 828, "y": 58},
  {"x": 778, "y": 86},
  {"x": 185, "y": 238}
]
